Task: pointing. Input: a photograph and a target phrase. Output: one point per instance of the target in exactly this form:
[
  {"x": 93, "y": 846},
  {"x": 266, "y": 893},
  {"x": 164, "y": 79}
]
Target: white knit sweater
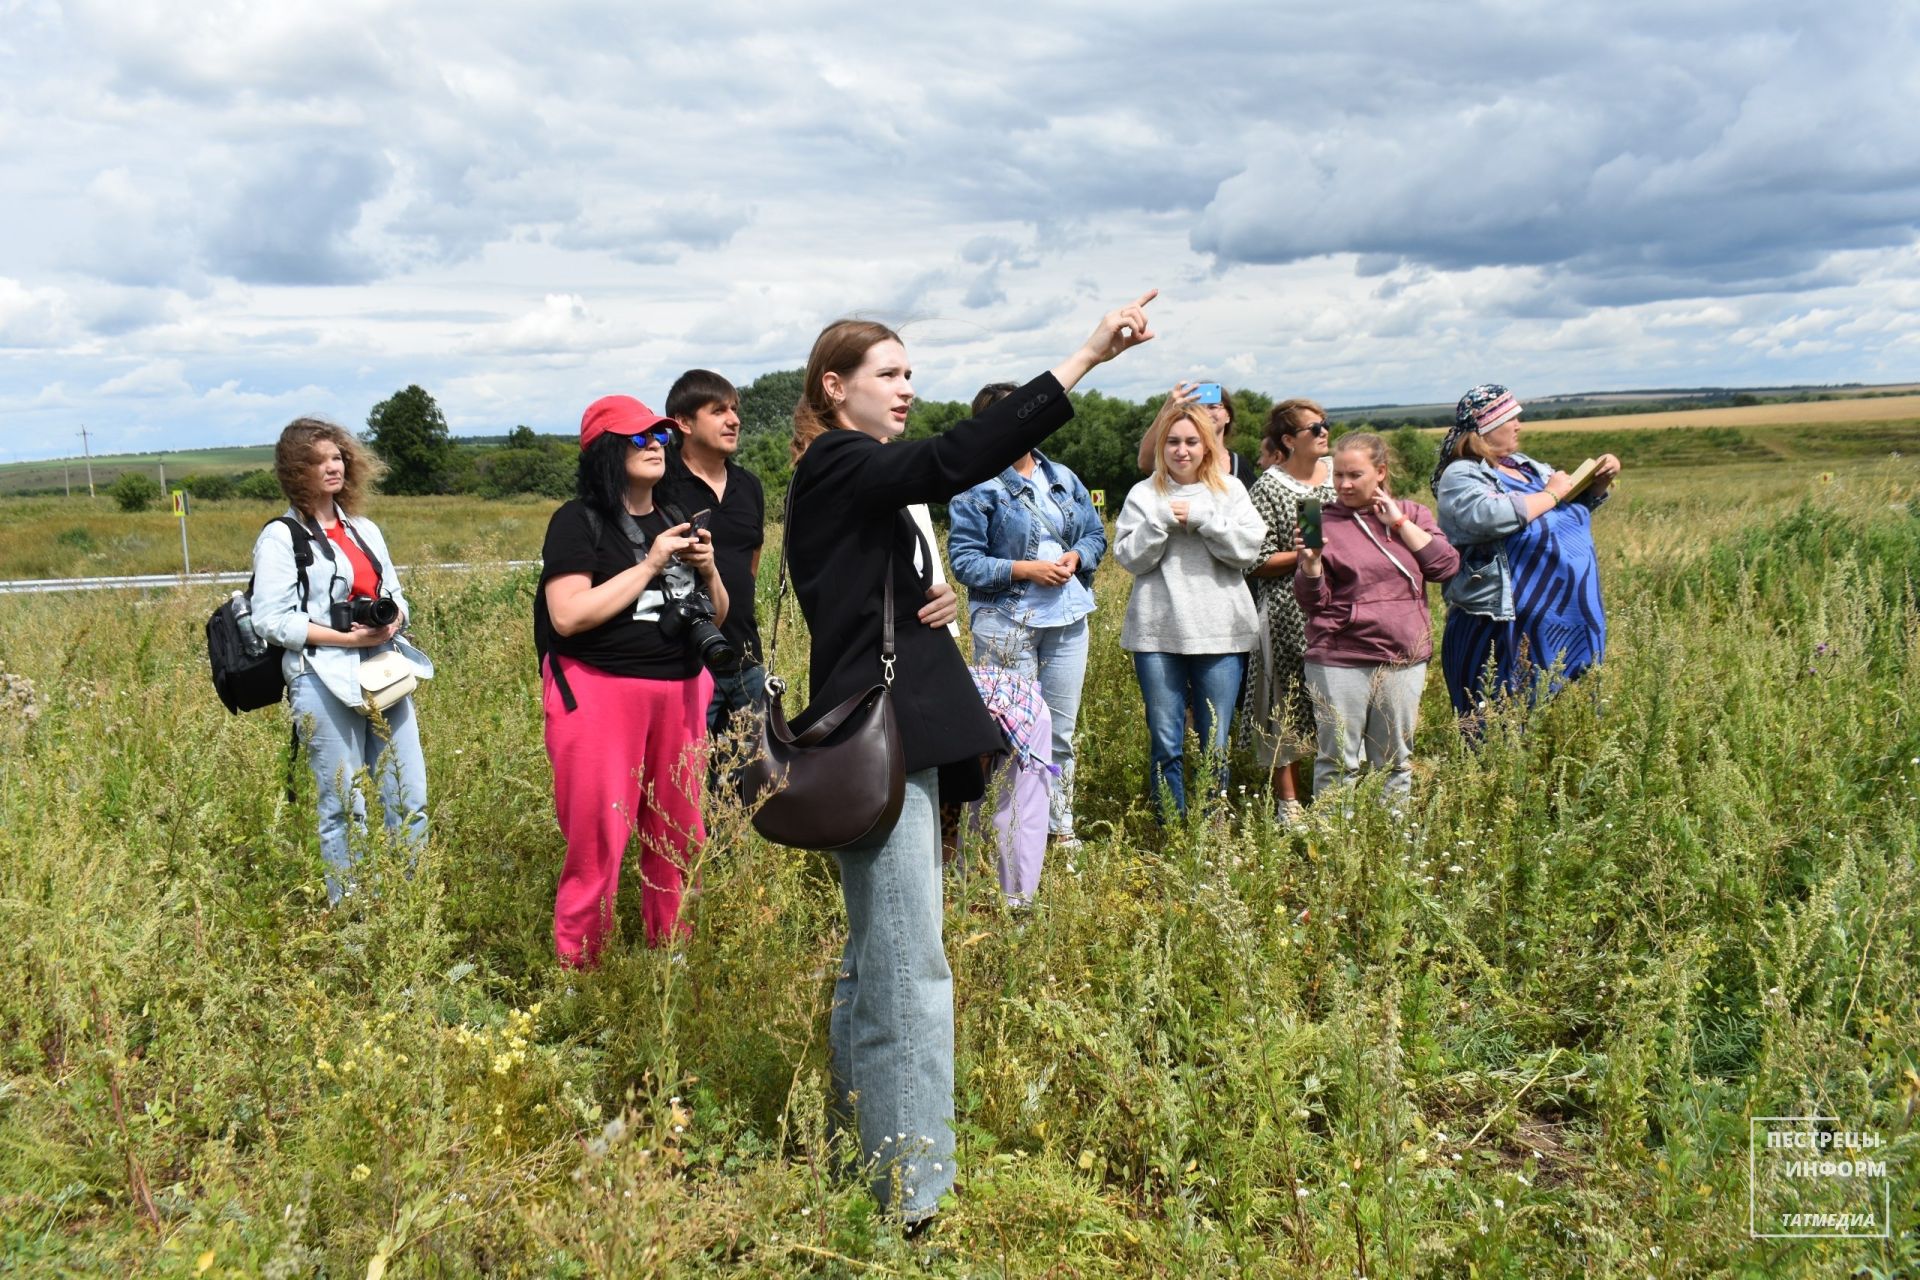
[{"x": 1189, "y": 592}]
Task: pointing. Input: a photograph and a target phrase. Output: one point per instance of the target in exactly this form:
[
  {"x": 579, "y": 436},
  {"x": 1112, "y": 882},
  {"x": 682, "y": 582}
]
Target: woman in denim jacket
[
  {"x": 1026, "y": 544},
  {"x": 324, "y": 473},
  {"x": 1527, "y": 596}
]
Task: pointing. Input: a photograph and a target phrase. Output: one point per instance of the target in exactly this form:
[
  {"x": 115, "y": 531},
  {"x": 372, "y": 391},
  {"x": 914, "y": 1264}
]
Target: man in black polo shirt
[{"x": 702, "y": 476}]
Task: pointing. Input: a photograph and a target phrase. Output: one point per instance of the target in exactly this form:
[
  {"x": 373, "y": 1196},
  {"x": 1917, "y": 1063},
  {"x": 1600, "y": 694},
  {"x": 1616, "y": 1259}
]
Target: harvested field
[{"x": 1809, "y": 412}]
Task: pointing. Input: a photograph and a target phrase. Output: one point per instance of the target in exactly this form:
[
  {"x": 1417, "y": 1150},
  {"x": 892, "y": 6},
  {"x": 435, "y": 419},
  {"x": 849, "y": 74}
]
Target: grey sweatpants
[{"x": 1365, "y": 709}]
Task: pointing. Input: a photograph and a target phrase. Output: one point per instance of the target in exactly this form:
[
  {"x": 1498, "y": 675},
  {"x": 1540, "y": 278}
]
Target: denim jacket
[
  {"x": 993, "y": 524},
  {"x": 1477, "y": 512},
  {"x": 278, "y": 618}
]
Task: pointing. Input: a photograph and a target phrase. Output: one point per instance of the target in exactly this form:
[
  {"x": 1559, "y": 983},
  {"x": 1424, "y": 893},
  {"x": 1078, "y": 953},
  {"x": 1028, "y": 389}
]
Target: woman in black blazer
[{"x": 891, "y": 1039}]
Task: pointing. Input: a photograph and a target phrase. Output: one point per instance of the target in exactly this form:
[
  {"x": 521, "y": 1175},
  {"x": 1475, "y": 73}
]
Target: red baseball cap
[{"x": 621, "y": 415}]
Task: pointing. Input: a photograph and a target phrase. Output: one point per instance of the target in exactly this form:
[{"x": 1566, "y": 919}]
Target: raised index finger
[{"x": 1147, "y": 297}]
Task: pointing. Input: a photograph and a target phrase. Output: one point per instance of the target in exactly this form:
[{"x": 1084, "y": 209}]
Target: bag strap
[
  {"x": 379, "y": 570},
  {"x": 594, "y": 527},
  {"x": 775, "y": 685}
]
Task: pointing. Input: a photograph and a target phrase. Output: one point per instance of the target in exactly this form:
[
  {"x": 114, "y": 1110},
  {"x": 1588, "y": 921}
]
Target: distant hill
[
  {"x": 55, "y": 475},
  {"x": 1595, "y": 404}
]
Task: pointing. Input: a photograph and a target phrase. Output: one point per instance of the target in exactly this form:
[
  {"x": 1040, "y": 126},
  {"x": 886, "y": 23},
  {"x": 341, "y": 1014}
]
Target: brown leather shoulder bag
[{"x": 840, "y": 782}]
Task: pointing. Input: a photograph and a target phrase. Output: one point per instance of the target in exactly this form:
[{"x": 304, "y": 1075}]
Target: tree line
[{"x": 410, "y": 433}]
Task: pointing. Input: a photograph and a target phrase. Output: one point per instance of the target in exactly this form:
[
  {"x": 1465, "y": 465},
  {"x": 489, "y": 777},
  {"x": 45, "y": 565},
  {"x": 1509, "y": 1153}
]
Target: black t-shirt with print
[{"x": 629, "y": 643}]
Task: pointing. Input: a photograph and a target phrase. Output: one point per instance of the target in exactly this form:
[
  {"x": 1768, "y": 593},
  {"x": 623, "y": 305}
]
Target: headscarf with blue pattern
[{"x": 1479, "y": 411}]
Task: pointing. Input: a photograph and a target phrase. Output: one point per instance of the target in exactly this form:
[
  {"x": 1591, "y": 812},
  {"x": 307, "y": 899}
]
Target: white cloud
[
  {"x": 153, "y": 378},
  {"x": 232, "y": 212},
  {"x": 33, "y": 317}
]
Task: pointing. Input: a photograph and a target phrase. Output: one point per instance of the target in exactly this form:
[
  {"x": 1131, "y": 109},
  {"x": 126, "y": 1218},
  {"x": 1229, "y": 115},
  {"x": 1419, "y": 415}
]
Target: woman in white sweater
[{"x": 1188, "y": 534}]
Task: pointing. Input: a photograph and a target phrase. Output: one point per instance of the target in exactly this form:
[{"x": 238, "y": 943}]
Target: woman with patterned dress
[
  {"x": 1527, "y": 598},
  {"x": 1281, "y": 713}
]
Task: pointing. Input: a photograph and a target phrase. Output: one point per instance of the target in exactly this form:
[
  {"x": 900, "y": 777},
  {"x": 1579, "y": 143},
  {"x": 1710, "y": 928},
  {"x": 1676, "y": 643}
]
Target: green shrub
[
  {"x": 209, "y": 488},
  {"x": 258, "y": 486},
  {"x": 134, "y": 491}
]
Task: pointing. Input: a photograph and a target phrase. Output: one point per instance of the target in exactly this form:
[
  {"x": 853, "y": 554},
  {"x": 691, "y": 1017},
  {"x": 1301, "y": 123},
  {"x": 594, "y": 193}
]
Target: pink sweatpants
[{"x": 631, "y": 758}]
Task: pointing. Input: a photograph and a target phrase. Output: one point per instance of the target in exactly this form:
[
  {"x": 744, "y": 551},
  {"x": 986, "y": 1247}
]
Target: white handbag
[{"x": 386, "y": 678}]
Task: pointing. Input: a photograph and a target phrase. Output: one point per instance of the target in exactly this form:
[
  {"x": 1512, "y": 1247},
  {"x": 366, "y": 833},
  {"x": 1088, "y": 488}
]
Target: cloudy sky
[{"x": 221, "y": 214}]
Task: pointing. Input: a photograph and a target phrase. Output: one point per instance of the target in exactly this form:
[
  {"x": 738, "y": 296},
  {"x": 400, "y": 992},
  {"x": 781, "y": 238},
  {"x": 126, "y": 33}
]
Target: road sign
[
  {"x": 1099, "y": 497},
  {"x": 180, "y": 509}
]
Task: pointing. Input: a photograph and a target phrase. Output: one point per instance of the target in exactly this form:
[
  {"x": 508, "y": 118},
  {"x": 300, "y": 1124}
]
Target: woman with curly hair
[{"x": 325, "y": 472}]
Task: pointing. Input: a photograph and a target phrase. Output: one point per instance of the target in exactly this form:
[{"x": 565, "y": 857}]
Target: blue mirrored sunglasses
[{"x": 659, "y": 436}]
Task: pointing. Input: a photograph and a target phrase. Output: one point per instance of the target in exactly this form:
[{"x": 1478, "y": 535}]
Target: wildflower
[
  {"x": 361, "y": 1173},
  {"x": 1498, "y": 1203}
]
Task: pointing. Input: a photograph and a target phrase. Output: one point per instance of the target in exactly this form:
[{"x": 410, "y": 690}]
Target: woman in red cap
[{"x": 624, "y": 700}]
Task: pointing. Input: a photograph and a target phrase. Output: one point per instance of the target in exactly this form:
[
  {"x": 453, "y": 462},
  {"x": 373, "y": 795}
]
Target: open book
[{"x": 1582, "y": 477}]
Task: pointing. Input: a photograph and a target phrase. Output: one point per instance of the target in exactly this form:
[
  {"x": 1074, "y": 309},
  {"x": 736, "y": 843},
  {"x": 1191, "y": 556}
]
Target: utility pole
[{"x": 88, "y": 450}]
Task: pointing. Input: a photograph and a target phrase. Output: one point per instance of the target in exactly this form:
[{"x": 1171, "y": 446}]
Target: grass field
[{"x": 1522, "y": 1036}]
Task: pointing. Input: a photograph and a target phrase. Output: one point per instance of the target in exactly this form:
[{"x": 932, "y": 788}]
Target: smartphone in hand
[
  {"x": 1310, "y": 524},
  {"x": 1207, "y": 393},
  {"x": 701, "y": 521}
]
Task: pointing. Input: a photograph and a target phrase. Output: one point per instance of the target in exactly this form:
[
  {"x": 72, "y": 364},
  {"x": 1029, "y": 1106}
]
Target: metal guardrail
[{"x": 162, "y": 581}]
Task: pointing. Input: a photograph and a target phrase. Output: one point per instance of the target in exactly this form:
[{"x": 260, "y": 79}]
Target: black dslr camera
[
  {"x": 381, "y": 612},
  {"x": 689, "y": 620}
]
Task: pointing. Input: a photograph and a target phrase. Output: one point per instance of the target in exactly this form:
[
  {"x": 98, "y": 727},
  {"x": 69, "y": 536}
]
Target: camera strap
[{"x": 636, "y": 536}]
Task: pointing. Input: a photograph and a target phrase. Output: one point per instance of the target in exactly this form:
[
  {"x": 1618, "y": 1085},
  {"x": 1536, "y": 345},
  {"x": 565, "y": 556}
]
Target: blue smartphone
[{"x": 1207, "y": 393}]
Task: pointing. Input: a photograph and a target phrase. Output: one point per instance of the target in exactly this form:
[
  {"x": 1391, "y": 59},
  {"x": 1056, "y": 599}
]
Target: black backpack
[{"x": 247, "y": 680}]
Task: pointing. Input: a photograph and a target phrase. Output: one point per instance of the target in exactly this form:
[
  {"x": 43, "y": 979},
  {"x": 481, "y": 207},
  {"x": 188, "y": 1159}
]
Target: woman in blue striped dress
[{"x": 1527, "y": 598}]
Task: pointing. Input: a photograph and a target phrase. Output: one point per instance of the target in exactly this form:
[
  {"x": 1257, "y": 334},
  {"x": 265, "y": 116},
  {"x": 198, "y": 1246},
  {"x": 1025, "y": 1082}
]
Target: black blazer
[{"x": 849, "y": 492}]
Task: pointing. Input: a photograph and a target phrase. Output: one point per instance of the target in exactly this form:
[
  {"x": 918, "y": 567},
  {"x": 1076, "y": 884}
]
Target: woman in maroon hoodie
[{"x": 1369, "y": 634}]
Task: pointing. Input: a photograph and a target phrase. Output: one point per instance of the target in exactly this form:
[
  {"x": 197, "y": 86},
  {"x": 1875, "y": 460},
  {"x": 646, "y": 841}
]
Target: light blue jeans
[
  {"x": 1057, "y": 658},
  {"x": 1172, "y": 684},
  {"x": 339, "y": 743},
  {"x": 890, "y": 1036}
]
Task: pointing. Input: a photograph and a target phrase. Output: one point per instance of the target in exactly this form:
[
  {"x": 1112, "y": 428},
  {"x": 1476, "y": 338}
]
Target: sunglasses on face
[
  {"x": 1313, "y": 428},
  {"x": 659, "y": 436}
]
